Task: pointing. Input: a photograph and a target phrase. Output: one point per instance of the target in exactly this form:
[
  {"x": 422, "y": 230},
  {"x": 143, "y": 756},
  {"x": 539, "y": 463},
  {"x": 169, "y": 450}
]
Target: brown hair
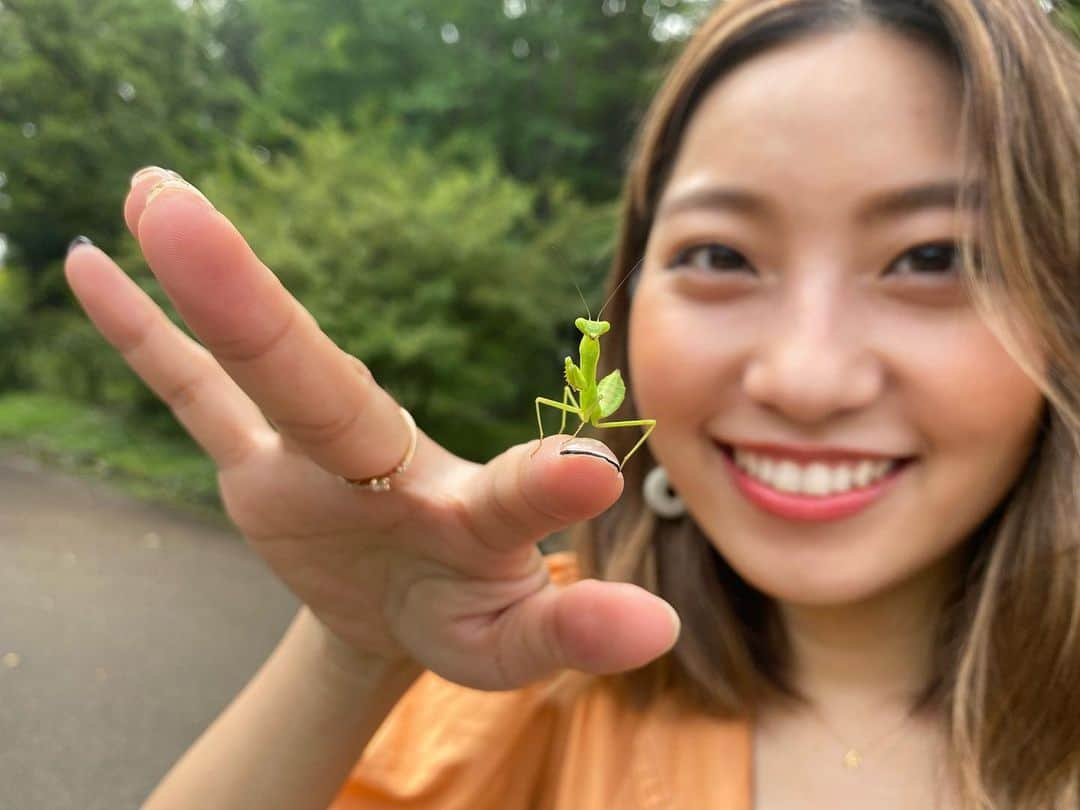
[{"x": 1007, "y": 663}]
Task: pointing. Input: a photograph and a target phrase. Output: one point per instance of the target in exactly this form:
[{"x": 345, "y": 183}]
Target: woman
[{"x": 851, "y": 246}]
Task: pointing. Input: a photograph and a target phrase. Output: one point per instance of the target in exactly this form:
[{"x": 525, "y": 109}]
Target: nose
[{"x": 813, "y": 361}]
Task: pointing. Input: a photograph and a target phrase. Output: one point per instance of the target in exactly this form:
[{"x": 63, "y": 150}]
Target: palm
[{"x": 343, "y": 558}]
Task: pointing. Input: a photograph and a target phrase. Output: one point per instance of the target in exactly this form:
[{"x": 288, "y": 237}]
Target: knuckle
[
  {"x": 315, "y": 433},
  {"x": 319, "y": 432},
  {"x": 488, "y": 516},
  {"x": 547, "y": 518},
  {"x": 366, "y": 377},
  {"x": 245, "y": 446},
  {"x": 134, "y": 337},
  {"x": 243, "y": 349},
  {"x": 185, "y": 393},
  {"x": 365, "y": 382},
  {"x": 504, "y": 513}
]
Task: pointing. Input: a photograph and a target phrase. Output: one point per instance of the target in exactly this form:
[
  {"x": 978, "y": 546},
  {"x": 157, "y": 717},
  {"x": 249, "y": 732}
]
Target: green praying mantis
[{"x": 599, "y": 398}]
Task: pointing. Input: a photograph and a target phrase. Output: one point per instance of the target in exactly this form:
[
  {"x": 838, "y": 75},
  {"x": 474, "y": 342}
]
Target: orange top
[{"x": 448, "y": 747}]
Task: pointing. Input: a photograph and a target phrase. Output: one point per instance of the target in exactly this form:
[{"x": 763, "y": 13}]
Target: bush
[{"x": 439, "y": 276}]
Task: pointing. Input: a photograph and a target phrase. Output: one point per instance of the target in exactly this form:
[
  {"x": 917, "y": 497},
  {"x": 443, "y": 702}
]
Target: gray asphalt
[{"x": 124, "y": 630}]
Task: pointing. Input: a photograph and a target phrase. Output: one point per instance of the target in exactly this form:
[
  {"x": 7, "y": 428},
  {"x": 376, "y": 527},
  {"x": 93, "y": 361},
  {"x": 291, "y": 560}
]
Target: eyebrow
[{"x": 883, "y": 205}]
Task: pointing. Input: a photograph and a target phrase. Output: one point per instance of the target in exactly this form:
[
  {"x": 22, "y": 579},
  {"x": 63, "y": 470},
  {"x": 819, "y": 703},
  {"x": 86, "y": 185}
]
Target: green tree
[
  {"x": 437, "y": 275},
  {"x": 90, "y": 90},
  {"x": 553, "y": 87}
]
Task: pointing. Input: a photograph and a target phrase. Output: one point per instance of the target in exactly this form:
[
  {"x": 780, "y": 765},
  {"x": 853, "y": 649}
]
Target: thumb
[
  {"x": 592, "y": 626},
  {"x": 532, "y": 490}
]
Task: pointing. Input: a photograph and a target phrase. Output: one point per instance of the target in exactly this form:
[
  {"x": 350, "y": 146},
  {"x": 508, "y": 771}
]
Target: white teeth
[
  {"x": 788, "y": 477},
  {"x": 813, "y": 479},
  {"x": 816, "y": 480},
  {"x": 864, "y": 471},
  {"x": 841, "y": 479}
]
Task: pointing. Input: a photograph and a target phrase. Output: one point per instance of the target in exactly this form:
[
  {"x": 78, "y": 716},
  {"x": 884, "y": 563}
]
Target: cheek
[
  {"x": 978, "y": 414},
  {"x": 974, "y": 396},
  {"x": 675, "y": 378}
]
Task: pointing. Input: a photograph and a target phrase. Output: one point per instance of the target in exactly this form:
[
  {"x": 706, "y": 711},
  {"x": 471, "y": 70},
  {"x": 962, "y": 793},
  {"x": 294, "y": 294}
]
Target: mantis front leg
[
  {"x": 650, "y": 423},
  {"x": 562, "y": 406}
]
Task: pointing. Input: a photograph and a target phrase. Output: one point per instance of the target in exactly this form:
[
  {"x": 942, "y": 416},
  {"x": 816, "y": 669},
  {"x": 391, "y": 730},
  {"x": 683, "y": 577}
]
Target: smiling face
[{"x": 818, "y": 314}]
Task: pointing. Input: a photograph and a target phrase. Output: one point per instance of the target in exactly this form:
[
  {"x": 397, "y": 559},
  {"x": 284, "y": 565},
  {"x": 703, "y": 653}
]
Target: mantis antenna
[
  {"x": 582, "y": 297},
  {"x": 626, "y": 278}
]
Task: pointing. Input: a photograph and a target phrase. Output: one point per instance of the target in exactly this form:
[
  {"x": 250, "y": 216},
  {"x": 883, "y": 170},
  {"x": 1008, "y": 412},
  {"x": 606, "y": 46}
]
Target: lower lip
[{"x": 814, "y": 508}]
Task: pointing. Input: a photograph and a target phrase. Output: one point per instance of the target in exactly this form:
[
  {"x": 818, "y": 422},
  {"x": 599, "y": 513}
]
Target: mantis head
[{"x": 592, "y": 329}]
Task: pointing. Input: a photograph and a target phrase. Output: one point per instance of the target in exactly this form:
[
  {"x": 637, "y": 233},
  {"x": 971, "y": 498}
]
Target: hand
[{"x": 444, "y": 568}]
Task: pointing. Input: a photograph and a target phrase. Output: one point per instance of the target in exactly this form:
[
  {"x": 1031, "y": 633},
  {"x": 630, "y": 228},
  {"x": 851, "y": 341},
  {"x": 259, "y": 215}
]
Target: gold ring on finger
[{"x": 381, "y": 483}]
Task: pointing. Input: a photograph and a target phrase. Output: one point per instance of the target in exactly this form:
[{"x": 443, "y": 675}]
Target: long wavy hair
[{"x": 1006, "y": 675}]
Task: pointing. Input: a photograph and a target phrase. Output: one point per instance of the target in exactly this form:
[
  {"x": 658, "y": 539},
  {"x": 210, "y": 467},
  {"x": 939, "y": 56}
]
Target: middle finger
[{"x": 324, "y": 400}]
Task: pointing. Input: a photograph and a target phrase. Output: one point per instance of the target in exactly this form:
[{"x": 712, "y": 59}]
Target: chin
[
  {"x": 819, "y": 591},
  {"x": 823, "y": 570}
]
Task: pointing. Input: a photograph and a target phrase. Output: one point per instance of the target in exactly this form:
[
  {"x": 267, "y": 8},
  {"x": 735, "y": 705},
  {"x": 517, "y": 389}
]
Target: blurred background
[{"x": 430, "y": 178}]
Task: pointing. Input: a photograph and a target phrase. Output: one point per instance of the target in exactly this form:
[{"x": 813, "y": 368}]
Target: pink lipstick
[{"x": 814, "y": 508}]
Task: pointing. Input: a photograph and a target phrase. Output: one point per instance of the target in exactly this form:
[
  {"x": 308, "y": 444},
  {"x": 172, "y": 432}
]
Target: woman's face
[{"x": 816, "y": 311}]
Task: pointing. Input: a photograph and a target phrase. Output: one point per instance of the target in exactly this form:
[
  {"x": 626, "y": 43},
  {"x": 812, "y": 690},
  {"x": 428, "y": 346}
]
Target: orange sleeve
[{"x": 446, "y": 746}]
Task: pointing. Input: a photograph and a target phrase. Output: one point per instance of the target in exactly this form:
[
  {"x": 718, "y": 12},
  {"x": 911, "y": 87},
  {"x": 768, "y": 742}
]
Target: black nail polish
[
  {"x": 592, "y": 453},
  {"x": 78, "y": 240}
]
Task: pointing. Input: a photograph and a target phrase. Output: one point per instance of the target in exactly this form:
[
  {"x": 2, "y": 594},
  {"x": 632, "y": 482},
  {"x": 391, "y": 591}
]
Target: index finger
[{"x": 324, "y": 400}]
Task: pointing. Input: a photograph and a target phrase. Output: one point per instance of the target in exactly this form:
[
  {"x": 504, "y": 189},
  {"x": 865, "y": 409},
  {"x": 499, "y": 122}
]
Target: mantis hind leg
[
  {"x": 562, "y": 406},
  {"x": 648, "y": 424}
]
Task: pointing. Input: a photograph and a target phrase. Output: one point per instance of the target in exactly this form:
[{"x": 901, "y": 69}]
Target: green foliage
[
  {"x": 441, "y": 249},
  {"x": 1067, "y": 15},
  {"x": 105, "y": 445},
  {"x": 554, "y": 86},
  {"x": 90, "y": 90},
  {"x": 12, "y": 321},
  {"x": 438, "y": 276}
]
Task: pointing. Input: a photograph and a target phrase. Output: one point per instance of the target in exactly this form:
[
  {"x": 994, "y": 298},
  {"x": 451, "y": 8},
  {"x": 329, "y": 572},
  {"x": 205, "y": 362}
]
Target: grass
[{"x": 98, "y": 444}]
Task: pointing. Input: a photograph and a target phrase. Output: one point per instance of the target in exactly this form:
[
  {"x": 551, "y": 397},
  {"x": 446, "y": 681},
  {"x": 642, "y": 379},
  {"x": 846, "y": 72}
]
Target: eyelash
[{"x": 681, "y": 258}]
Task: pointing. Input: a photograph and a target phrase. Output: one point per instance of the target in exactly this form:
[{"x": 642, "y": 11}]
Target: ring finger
[{"x": 211, "y": 407}]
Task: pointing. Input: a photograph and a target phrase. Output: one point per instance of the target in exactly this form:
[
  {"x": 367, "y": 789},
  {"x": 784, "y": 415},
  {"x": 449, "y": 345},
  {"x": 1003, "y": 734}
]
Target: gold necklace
[{"x": 853, "y": 756}]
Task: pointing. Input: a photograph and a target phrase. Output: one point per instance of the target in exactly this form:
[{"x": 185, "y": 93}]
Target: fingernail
[
  {"x": 589, "y": 447},
  {"x": 147, "y": 170},
  {"x": 172, "y": 182},
  {"x": 78, "y": 240}
]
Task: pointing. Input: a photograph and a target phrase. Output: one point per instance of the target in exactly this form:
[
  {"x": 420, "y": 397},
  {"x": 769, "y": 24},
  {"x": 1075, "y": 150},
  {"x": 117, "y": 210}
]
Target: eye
[
  {"x": 937, "y": 259},
  {"x": 709, "y": 257}
]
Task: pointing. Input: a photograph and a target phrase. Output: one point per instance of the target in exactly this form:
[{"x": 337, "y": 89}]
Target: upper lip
[{"x": 811, "y": 453}]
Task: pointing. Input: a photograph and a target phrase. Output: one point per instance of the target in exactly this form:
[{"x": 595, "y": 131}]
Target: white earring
[{"x": 659, "y": 495}]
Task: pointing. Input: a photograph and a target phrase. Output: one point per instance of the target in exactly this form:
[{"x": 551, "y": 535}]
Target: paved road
[{"x": 124, "y": 630}]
